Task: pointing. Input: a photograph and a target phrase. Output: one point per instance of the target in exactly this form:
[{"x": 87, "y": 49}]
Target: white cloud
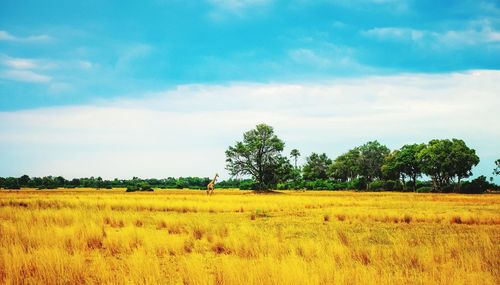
[
  {"x": 20, "y": 63},
  {"x": 6, "y": 36},
  {"x": 224, "y": 8},
  {"x": 477, "y": 32},
  {"x": 309, "y": 57},
  {"x": 185, "y": 131},
  {"x": 235, "y": 5},
  {"x": 395, "y": 33},
  {"x": 131, "y": 53},
  {"x": 35, "y": 71},
  {"x": 25, "y": 76}
]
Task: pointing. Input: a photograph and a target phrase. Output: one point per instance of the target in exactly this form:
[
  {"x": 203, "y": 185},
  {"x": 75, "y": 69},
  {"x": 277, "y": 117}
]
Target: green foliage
[
  {"x": 496, "y": 171},
  {"x": 141, "y": 186},
  {"x": 259, "y": 155},
  {"x": 372, "y": 157},
  {"x": 316, "y": 167},
  {"x": 424, "y": 189},
  {"x": 359, "y": 183},
  {"x": 346, "y": 166},
  {"x": 377, "y": 185},
  {"x": 476, "y": 186},
  {"x": 446, "y": 160},
  {"x": 363, "y": 161},
  {"x": 385, "y": 185},
  {"x": 11, "y": 183},
  {"x": 405, "y": 162},
  {"x": 247, "y": 185}
]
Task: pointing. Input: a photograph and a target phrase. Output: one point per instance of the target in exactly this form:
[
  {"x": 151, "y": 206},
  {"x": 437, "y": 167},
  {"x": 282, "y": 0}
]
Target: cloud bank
[{"x": 185, "y": 131}]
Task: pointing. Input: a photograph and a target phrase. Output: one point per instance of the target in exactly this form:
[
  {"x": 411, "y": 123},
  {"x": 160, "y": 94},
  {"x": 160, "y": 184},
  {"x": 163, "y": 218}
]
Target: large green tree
[
  {"x": 372, "y": 157},
  {"x": 346, "y": 166},
  {"x": 447, "y": 161},
  {"x": 259, "y": 155},
  {"x": 407, "y": 162},
  {"x": 316, "y": 167},
  {"x": 496, "y": 171}
]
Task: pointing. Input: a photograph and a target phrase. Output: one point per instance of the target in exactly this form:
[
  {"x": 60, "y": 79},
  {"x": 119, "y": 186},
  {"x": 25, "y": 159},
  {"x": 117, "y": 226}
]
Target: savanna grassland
[{"x": 237, "y": 237}]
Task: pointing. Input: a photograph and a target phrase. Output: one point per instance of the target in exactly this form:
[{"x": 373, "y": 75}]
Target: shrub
[
  {"x": 419, "y": 184},
  {"x": 247, "y": 185},
  {"x": 132, "y": 188},
  {"x": 424, "y": 189},
  {"x": 358, "y": 184},
  {"x": 340, "y": 186},
  {"x": 392, "y": 185},
  {"x": 12, "y": 188},
  {"x": 376, "y": 186},
  {"x": 476, "y": 186},
  {"x": 448, "y": 188},
  {"x": 143, "y": 186}
]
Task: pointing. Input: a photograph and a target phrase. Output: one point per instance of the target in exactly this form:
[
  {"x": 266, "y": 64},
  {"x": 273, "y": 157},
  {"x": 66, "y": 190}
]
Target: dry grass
[{"x": 184, "y": 237}]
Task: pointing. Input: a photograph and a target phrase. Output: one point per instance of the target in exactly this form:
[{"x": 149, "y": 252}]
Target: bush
[
  {"x": 358, "y": 184},
  {"x": 140, "y": 187},
  {"x": 376, "y": 186},
  {"x": 392, "y": 185},
  {"x": 12, "y": 188},
  {"x": 424, "y": 189},
  {"x": 340, "y": 186},
  {"x": 448, "y": 188},
  {"x": 476, "y": 186},
  {"x": 386, "y": 185},
  {"x": 419, "y": 184},
  {"x": 247, "y": 185}
]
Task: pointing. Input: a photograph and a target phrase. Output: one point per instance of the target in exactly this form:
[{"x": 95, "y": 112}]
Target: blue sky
[{"x": 77, "y": 59}]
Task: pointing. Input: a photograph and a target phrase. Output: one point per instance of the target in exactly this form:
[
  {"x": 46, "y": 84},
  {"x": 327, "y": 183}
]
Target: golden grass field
[{"x": 238, "y": 237}]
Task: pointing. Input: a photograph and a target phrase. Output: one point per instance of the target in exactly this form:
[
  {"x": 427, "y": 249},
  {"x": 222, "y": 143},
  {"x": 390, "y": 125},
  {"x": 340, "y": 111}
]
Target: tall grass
[{"x": 234, "y": 237}]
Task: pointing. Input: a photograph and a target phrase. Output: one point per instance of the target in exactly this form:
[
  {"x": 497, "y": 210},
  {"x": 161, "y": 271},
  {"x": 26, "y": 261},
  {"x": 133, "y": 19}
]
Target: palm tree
[{"x": 295, "y": 153}]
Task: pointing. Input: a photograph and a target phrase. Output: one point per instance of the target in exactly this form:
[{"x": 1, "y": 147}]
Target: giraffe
[{"x": 210, "y": 186}]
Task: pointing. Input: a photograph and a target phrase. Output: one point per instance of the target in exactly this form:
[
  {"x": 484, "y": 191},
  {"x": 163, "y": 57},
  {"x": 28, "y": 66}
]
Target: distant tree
[
  {"x": 24, "y": 181},
  {"x": 316, "y": 167},
  {"x": 258, "y": 155},
  {"x": 59, "y": 181},
  {"x": 390, "y": 169},
  {"x": 295, "y": 154},
  {"x": 346, "y": 166},
  {"x": 447, "y": 160},
  {"x": 371, "y": 158},
  {"x": 496, "y": 171},
  {"x": 407, "y": 163},
  {"x": 11, "y": 183}
]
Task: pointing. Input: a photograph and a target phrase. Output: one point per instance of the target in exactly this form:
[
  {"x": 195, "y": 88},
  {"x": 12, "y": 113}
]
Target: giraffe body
[{"x": 210, "y": 186}]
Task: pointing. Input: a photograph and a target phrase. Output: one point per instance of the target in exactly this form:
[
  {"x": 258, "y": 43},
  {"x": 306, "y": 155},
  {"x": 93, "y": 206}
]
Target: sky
[{"x": 161, "y": 88}]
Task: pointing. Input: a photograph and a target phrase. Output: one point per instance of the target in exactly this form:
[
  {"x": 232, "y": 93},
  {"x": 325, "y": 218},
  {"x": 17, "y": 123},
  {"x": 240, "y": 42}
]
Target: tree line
[
  {"x": 372, "y": 166},
  {"x": 53, "y": 182},
  {"x": 441, "y": 165}
]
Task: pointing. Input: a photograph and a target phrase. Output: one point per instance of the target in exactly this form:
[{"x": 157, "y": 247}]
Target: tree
[
  {"x": 445, "y": 160},
  {"x": 259, "y": 155},
  {"x": 316, "y": 167},
  {"x": 24, "y": 181},
  {"x": 295, "y": 154},
  {"x": 346, "y": 166},
  {"x": 371, "y": 158},
  {"x": 496, "y": 171},
  {"x": 391, "y": 170},
  {"x": 408, "y": 163}
]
